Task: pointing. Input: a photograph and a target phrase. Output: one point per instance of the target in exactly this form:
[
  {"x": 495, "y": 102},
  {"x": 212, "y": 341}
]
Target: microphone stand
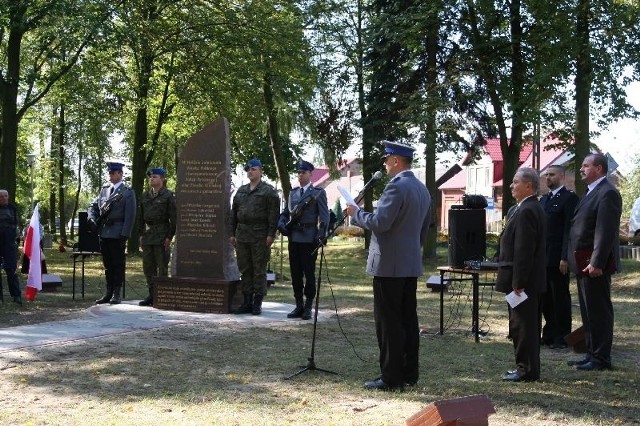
[{"x": 311, "y": 363}]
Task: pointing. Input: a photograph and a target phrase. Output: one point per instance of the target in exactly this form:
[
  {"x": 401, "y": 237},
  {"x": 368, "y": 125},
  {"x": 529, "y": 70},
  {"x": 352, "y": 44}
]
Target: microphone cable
[{"x": 335, "y": 308}]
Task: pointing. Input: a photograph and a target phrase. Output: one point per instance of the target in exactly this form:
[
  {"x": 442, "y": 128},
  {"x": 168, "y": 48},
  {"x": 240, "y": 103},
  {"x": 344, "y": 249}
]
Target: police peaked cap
[
  {"x": 113, "y": 166},
  {"x": 398, "y": 148},
  {"x": 302, "y": 165}
]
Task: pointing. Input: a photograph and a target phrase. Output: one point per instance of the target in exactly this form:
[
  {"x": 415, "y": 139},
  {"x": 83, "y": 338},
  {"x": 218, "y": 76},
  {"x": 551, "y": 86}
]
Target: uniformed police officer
[
  {"x": 253, "y": 220},
  {"x": 8, "y": 248},
  {"x": 305, "y": 222},
  {"x": 157, "y": 227},
  {"x": 113, "y": 214}
]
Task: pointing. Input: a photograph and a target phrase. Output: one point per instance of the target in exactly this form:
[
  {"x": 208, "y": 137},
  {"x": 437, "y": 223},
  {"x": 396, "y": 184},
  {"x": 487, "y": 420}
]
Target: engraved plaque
[{"x": 193, "y": 294}]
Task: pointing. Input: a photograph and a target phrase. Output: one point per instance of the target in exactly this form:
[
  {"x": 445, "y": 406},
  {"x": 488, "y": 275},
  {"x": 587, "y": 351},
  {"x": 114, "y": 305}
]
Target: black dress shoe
[
  {"x": 593, "y": 366},
  {"x": 573, "y": 363},
  {"x": 560, "y": 345},
  {"x": 17, "y": 300},
  {"x": 306, "y": 314},
  {"x": 379, "y": 384},
  {"x": 517, "y": 377},
  {"x": 148, "y": 301},
  {"x": 512, "y": 371},
  {"x": 103, "y": 300}
]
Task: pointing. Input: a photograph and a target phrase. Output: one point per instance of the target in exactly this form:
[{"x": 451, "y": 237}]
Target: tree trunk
[
  {"x": 10, "y": 119},
  {"x": 583, "y": 90},
  {"x": 60, "y": 165},
  {"x": 274, "y": 137}
]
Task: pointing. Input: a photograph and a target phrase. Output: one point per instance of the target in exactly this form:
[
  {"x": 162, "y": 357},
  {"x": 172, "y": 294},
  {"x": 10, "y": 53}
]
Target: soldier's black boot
[
  {"x": 247, "y": 306},
  {"x": 306, "y": 314},
  {"x": 257, "y": 304},
  {"x": 297, "y": 311},
  {"x": 148, "y": 301},
  {"x": 107, "y": 296},
  {"x": 115, "y": 299}
]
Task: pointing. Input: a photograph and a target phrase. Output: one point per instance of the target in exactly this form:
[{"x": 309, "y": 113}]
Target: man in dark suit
[
  {"x": 559, "y": 204},
  {"x": 522, "y": 271},
  {"x": 113, "y": 215},
  {"x": 398, "y": 227},
  {"x": 309, "y": 226},
  {"x": 595, "y": 231}
]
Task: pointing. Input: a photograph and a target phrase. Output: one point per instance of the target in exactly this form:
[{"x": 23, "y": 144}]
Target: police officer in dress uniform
[
  {"x": 157, "y": 227},
  {"x": 8, "y": 248},
  {"x": 305, "y": 231},
  {"x": 398, "y": 227},
  {"x": 253, "y": 221},
  {"x": 113, "y": 214}
]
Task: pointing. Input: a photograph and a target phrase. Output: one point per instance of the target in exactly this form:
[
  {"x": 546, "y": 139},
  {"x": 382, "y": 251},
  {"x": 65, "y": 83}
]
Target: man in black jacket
[
  {"x": 8, "y": 249},
  {"x": 558, "y": 204}
]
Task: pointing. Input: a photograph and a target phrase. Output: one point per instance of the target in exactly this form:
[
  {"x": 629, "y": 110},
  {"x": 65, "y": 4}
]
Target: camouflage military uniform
[
  {"x": 254, "y": 217},
  {"x": 158, "y": 223}
]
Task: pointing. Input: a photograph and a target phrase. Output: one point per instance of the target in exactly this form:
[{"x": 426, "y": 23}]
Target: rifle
[{"x": 104, "y": 212}]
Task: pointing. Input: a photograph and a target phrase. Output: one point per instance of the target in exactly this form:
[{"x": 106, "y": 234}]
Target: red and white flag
[{"x": 31, "y": 249}]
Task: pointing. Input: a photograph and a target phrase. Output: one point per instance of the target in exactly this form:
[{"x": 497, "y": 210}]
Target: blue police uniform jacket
[{"x": 398, "y": 228}]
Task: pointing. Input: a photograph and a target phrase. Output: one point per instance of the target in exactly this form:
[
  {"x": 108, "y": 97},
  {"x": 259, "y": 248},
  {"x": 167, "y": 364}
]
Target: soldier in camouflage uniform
[
  {"x": 157, "y": 227},
  {"x": 254, "y": 216}
]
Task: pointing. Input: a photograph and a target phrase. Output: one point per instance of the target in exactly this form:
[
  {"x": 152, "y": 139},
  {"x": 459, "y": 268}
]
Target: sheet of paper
[
  {"x": 347, "y": 196},
  {"x": 513, "y": 299}
]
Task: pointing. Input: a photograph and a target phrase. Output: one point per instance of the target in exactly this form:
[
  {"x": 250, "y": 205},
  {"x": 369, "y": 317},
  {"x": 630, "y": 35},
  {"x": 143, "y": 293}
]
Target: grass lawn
[{"x": 209, "y": 373}]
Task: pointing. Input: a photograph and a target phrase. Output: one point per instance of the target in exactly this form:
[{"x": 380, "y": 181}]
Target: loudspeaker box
[{"x": 467, "y": 236}]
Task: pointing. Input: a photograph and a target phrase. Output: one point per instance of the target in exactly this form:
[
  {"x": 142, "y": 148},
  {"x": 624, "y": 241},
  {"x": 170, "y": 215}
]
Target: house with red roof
[{"x": 484, "y": 177}]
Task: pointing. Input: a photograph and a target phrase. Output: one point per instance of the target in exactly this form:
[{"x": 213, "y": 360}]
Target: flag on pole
[{"x": 31, "y": 249}]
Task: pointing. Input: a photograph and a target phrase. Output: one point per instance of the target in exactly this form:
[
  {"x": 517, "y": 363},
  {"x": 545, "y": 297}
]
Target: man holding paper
[{"x": 522, "y": 274}]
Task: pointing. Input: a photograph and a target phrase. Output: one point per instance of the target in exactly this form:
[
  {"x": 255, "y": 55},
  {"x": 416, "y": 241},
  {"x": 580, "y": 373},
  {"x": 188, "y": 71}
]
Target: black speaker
[
  {"x": 467, "y": 236},
  {"x": 87, "y": 240}
]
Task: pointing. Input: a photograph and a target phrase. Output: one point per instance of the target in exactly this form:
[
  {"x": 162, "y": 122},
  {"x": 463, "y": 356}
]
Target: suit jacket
[
  {"x": 559, "y": 210},
  {"x": 522, "y": 259},
  {"x": 314, "y": 222},
  {"x": 596, "y": 225},
  {"x": 398, "y": 227},
  {"x": 122, "y": 216}
]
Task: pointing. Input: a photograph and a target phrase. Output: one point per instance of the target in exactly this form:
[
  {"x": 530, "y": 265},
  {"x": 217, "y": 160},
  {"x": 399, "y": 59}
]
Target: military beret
[
  {"x": 302, "y": 165},
  {"x": 398, "y": 148},
  {"x": 113, "y": 166},
  {"x": 156, "y": 171},
  {"x": 252, "y": 163}
]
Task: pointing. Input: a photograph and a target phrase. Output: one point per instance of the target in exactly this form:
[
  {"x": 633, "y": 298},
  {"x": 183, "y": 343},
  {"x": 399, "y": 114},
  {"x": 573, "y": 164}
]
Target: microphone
[{"x": 375, "y": 178}]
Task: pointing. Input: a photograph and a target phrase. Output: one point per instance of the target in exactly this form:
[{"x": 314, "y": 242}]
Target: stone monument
[{"x": 206, "y": 272}]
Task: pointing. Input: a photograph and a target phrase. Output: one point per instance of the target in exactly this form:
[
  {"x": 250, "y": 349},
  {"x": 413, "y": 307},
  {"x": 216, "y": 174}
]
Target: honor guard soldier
[
  {"x": 112, "y": 216},
  {"x": 157, "y": 227},
  {"x": 8, "y": 248},
  {"x": 305, "y": 221},
  {"x": 253, "y": 220}
]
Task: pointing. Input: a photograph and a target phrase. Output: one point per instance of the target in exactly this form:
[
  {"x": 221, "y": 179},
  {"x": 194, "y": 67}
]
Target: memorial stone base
[{"x": 194, "y": 294}]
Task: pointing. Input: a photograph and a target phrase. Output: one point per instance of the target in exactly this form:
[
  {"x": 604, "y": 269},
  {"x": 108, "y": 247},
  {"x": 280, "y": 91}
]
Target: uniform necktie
[
  {"x": 301, "y": 192},
  {"x": 111, "y": 191}
]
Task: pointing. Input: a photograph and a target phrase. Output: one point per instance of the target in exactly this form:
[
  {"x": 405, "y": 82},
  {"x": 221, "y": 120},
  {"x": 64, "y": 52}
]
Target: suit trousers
[
  {"x": 524, "y": 328},
  {"x": 596, "y": 310},
  {"x": 114, "y": 261},
  {"x": 556, "y": 307},
  {"x": 397, "y": 330},
  {"x": 302, "y": 261}
]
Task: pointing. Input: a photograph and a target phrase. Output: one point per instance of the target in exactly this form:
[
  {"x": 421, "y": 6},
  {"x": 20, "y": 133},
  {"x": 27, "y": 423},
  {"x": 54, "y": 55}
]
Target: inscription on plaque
[{"x": 193, "y": 295}]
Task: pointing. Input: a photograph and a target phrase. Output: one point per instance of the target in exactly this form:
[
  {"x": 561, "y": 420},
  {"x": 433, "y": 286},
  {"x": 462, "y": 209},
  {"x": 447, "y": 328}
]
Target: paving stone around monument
[{"x": 107, "y": 320}]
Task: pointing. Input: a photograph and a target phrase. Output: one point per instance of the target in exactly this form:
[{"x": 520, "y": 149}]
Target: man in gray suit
[
  {"x": 593, "y": 256},
  {"x": 521, "y": 270},
  {"x": 304, "y": 220},
  {"x": 112, "y": 215},
  {"x": 398, "y": 228}
]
